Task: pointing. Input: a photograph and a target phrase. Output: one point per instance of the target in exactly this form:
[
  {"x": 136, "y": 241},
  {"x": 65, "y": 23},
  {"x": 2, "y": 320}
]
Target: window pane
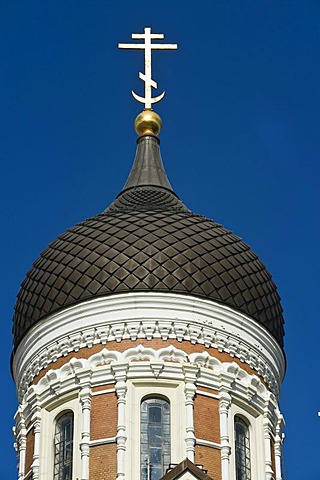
[
  {"x": 155, "y": 438},
  {"x": 156, "y": 473},
  {"x": 63, "y": 447},
  {"x": 155, "y": 455},
  {"x": 155, "y": 414},
  {"x": 155, "y": 435},
  {"x": 242, "y": 450}
]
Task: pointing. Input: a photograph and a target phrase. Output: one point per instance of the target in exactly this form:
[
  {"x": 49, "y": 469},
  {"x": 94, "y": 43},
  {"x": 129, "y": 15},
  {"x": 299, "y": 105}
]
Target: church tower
[{"x": 148, "y": 340}]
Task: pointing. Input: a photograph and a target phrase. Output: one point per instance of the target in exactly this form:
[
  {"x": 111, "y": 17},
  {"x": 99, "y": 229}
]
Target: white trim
[
  {"x": 119, "y": 371},
  {"x": 103, "y": 392},
  {"x": 207, "y": 443},
  {"x": 148, "y": 315},
  {"x": 49, "y": 414},
  {"x": 173, "y": 390},
  {"x": 256, "y": 434},
  {"x": 29, "y": 428},
  {"x": 190, "y": 377},
  {"x": 224, "y": 406},
  {"x": 278, "y": 441},
  {"x": 85, "y": 400},
  {"x": 207, "y": 394},
  {"x": 20, "y": 434},
  {"x": 103, "y": 441}
]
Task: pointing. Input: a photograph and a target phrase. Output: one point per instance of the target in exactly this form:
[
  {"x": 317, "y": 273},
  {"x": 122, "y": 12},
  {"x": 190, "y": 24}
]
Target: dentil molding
[{"x": 147, "y": 316}]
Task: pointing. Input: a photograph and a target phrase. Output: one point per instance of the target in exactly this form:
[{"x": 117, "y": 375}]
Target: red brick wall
[
  {"x": 206, "y": 418},
  {"x": 29, "y": 450},
  {"x": 210, "y": 458},
  {"x": 103, "y": 462},
  {"x": 103, "y": 416}
]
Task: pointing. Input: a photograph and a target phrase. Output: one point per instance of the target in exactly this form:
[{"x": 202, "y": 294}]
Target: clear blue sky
[{"x": 240, "y": 144}]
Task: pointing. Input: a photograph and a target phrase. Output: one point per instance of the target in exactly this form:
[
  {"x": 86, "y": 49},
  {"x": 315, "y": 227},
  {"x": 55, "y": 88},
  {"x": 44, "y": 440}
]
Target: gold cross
[{"x": 146, "y": 77}]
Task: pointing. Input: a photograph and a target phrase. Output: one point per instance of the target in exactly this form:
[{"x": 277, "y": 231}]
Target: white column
[
  {"x": 190, "y": 373},
  {"x": 20, "y": 433},
  {"x": 267, "y": 426},
  {"x": 120, "y": 375},
  {"x": 36, "y": 421},
  {"x": 278, "y": 447},
  {"x": 224, "y": 405},
  {"x": 85, "y": 399}
]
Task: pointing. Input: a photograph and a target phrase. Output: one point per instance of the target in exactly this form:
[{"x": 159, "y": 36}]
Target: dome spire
[{"x": 148, "y": 168}]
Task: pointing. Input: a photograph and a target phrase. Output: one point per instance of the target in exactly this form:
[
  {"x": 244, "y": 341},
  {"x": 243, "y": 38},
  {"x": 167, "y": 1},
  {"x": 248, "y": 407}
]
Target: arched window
[
  {"x": 155, "y": 438},
  {"x": 242, "y": 449},
  {"x": 63, "y": 447}
]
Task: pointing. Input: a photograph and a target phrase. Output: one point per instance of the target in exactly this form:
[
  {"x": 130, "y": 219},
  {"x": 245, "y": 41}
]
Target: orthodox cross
[{"x": 146, "y": 77}]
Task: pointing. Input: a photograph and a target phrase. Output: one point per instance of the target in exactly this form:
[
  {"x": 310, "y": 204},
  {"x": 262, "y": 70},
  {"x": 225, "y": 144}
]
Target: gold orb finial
[{"x": 148, "y": 121}]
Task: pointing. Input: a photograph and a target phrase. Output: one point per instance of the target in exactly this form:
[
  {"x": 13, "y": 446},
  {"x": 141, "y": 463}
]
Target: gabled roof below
[{"x": 186, "y": 470}]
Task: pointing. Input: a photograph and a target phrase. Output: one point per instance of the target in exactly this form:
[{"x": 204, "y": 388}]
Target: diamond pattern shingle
[{"x": 147, "y": 240}]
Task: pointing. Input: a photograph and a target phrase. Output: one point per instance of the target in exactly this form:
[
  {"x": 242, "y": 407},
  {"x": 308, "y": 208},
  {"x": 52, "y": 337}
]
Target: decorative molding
[
  {"x": 36, "y": 420},
  {"x": 120, "y": 375},
  {"x": 147, "y": 316},
  {"x": 224, "y": 405},
  {"x": 103, "y": 441},
  {"x": 253, "y": 416},
  {"x": 207, "y": 443},
  {"x": 190, "y": 377},
  {"x": 85, "y": 400},
  {"x": 103, "y": 392},
  {"x": 207, "y": 394},
  {"x": 169, "y": 385},
  {"x": 139, "y": 368},
  {"x": 267, "y": 429},
  {"x": 106, "y": 366},
  {"x": 51, "y": 408},
  {"x": 20, "y": 435},
  {"x": 278, "y": 441}
]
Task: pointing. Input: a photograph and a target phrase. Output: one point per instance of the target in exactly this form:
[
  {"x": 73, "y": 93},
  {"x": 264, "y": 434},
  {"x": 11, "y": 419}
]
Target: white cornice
[
  {"x": 106, "y": 365},
  {"x": 147, "y": 316}
]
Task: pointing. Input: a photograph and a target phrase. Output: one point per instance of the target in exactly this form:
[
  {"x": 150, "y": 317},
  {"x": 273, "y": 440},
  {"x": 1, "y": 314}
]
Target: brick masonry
[
  {"x": 210, "y": 459},
  {"x": 103, "y": 462},
  {"x": 29, "y": 450},
  {"x": 103, "y": 416},
  {"x": 207, "y": 419}
]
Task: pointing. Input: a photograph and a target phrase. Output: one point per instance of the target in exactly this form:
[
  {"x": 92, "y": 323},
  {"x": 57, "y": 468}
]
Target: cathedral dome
[{"x": 147, "y": 240}]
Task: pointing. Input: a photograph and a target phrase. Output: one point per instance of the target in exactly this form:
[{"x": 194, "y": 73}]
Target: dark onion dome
[{"x": 148, "y": 241}]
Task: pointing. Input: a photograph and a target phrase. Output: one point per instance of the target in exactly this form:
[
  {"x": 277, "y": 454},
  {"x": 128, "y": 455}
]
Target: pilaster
[
  {"x": 36, "y": 421},
  {"x": 224, "y": 406},
  {"x": 278, "y": 447},
  {"x": 267, "y": 429},
  {"x": 20, "y": 433},
  {"x": 190, "y": 375},
  {"x": 120, "y": 375},
  {"x": 85, "y": 399}
]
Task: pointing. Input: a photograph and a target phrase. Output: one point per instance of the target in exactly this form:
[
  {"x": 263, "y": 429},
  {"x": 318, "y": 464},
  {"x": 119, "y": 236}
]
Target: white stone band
[{"x": 147, "y": 316}]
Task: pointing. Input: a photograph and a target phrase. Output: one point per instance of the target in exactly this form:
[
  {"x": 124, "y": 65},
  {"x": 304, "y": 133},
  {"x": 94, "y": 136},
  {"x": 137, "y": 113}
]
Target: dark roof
[
  {"x": 147, "y": 240},
  {"x": 186, "y": 466}
]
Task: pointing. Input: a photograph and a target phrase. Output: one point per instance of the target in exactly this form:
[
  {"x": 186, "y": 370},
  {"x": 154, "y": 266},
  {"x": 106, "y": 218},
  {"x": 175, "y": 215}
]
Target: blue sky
[{"x": 240, "y": 143}]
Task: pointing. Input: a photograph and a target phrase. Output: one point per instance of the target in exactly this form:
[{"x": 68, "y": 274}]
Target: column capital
[
  {"x": 224, "y": 401},
  {"x": 190, "y": 372},
  {"x": 119, "y": 371},
  {"x": 85, "y": 396}
]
